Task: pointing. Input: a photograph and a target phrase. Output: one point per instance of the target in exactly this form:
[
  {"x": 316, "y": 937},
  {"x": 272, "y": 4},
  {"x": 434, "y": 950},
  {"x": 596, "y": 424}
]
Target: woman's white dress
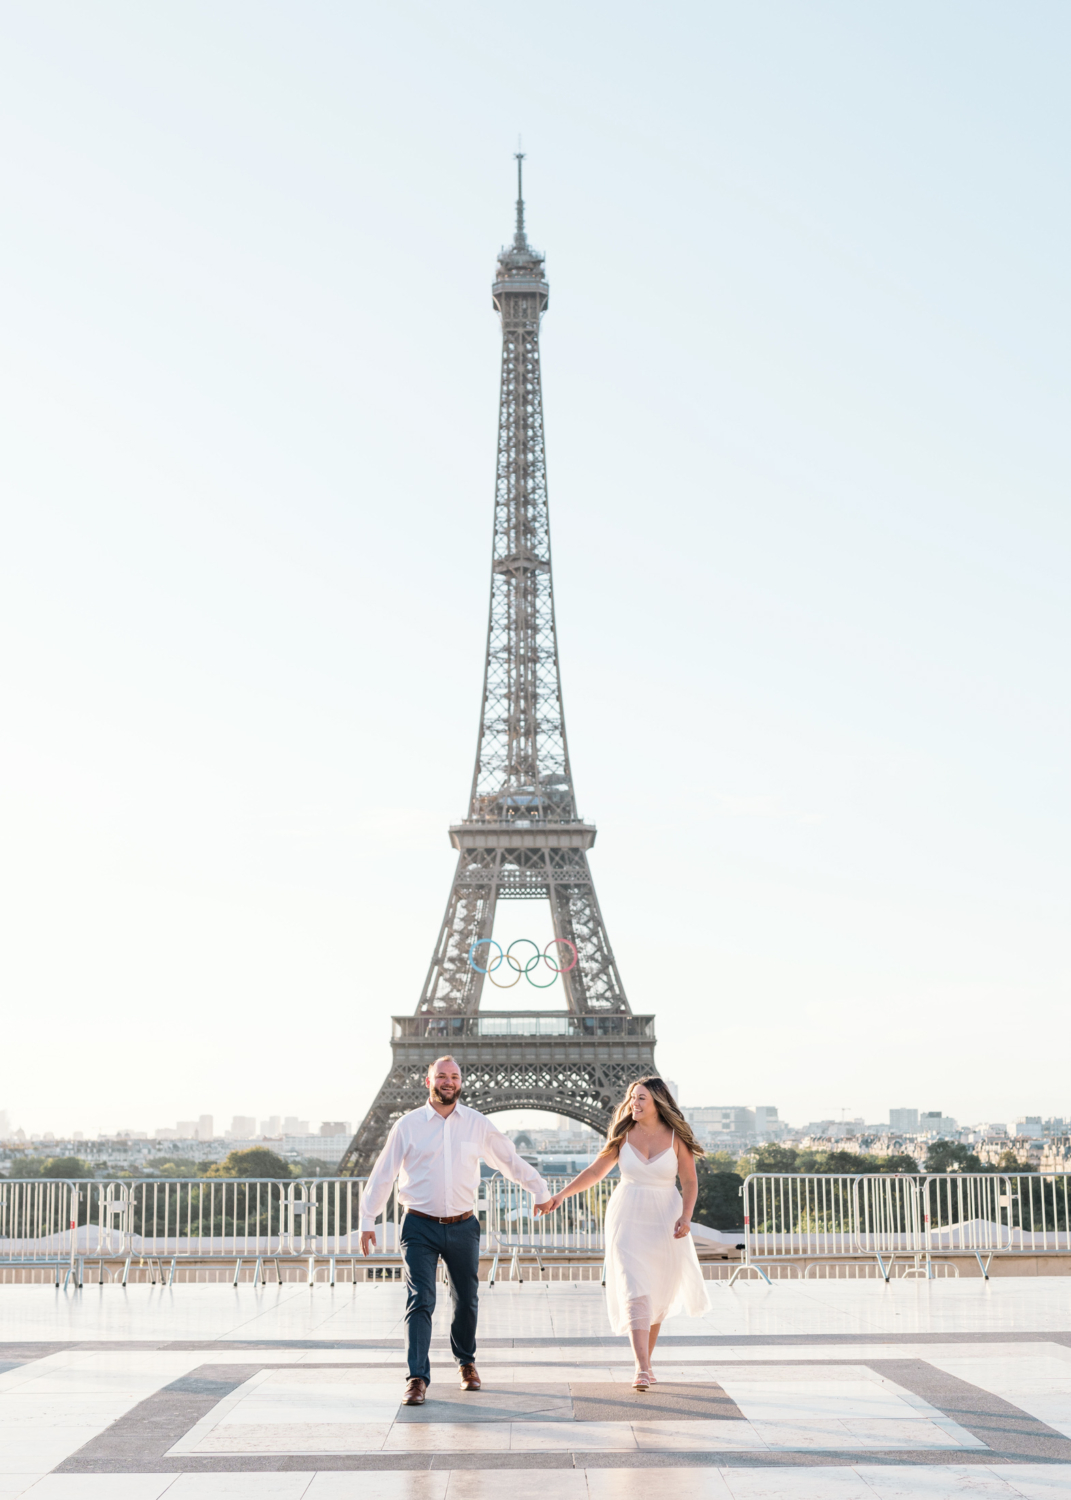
[{"x": 649, "y": 1274}]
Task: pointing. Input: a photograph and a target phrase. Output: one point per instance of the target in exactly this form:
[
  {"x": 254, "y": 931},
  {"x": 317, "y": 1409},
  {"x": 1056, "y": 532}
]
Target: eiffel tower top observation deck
[{"x": 521, "y": 837}]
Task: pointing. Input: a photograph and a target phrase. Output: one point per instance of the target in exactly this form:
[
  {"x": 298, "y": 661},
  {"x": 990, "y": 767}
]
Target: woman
[{"x": 651, "y": 1265}]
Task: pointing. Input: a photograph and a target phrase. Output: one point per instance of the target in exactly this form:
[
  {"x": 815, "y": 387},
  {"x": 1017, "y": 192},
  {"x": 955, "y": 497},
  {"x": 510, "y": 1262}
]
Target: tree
[
  {"x": 1009, "y": 1162},
  {"x": 719, "y": 1204},
  {"x": 258, "y": 1161},
  {"x": 769, "y": 1158},
  {"x": 899, "y": 1162},
  {"x": 52, "y": 1167},
  {"x": 950, "y": 1156}
]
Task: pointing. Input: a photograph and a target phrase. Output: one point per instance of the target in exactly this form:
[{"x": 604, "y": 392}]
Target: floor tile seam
[
  {"x": 45, "y": 1348},
  {"x": 461, "y": 1461}
]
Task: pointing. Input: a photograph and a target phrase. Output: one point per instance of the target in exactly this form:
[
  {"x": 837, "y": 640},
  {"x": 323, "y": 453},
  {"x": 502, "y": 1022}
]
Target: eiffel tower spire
[{"x": 522, "y": 836}]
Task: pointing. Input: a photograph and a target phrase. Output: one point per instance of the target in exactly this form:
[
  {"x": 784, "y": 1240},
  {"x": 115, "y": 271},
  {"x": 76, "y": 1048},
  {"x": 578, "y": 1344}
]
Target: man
[{"x": 435, "y": 1154}]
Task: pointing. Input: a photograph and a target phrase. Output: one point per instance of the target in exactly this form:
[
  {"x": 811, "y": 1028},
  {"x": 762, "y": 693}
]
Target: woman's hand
[
  {"x": 682, "y": 1228},
  {"x": 549, "y": 1206}
]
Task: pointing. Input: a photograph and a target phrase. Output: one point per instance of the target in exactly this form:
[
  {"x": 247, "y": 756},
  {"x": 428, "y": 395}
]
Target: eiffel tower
[{"x": 522, "y": 837}]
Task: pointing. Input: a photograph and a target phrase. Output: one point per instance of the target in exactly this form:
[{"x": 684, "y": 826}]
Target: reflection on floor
[{"x": 822, "y": 1391}]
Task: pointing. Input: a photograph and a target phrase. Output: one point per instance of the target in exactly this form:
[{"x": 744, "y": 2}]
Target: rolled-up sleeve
[
  {"x": 381, "y": 1178},
  {"x": 499, "y": 1151}
]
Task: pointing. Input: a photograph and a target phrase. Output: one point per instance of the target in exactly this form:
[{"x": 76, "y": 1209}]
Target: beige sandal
[{"x": 642, "y": 1381}]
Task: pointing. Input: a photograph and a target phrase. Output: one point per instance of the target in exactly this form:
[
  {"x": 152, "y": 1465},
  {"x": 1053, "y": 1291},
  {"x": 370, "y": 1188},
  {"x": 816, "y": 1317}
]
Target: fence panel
[
  {"x": 800, "y": 1214},
  {"x": 37, "y": 1220}
]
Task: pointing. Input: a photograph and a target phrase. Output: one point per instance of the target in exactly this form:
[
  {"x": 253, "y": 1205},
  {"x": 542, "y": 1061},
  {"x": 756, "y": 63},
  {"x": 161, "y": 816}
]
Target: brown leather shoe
[
  {"x": 470, "y": 1378},
  {"x": 414, "y": 1391}
]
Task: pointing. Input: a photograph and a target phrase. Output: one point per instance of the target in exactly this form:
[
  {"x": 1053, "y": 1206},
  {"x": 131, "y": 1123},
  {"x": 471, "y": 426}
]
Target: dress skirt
[{"x": 649, "y": 1275}]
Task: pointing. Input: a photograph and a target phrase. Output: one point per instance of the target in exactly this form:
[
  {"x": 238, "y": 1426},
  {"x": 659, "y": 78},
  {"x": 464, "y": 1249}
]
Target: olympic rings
[{"x": 522, "y": 969}]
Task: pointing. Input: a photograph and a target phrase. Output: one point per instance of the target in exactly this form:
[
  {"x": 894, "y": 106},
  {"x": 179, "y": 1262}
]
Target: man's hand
[
  {"x": 548, "y": 1207},
  {"x": 368, "y": 1240}
]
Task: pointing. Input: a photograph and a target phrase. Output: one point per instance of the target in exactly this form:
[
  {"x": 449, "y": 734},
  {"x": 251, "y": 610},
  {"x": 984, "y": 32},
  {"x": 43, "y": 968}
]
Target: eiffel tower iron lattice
[{"x": 522, "y": 836}]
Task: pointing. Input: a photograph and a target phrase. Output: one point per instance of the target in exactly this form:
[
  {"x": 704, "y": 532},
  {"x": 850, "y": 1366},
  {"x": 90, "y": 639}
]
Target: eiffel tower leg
[{"x": 594, "y": 985}]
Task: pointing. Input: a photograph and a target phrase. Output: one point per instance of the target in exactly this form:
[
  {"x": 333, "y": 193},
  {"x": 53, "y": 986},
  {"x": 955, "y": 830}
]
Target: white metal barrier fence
[
  {"x": 38, "y": 1221},
  {"x": 260, "y": 1222},
  {"x": 803, "y": 1219},
  {"x": 812, "y": 1218}
]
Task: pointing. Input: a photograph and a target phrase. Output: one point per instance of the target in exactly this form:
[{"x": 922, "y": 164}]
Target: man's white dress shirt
[{"x": 437, "y": 1163}]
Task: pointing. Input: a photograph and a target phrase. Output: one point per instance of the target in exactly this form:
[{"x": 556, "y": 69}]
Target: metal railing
[
  {"x": 509, "y": 1226},
  {"x": 38, "y": 1219},
  {"x": 172, "y": 1221},
  {"x": 813, "y": 1218},
  {"x": 803, "y": 1220}
]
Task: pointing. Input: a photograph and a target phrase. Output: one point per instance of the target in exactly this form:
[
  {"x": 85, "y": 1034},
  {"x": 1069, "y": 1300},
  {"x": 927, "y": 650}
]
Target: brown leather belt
[{"x": 456, "y": 1219}]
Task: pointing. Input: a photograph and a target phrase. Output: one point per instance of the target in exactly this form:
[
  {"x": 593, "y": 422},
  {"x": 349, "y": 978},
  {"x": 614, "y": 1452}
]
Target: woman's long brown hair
[{"x": 668, "y": 1113}]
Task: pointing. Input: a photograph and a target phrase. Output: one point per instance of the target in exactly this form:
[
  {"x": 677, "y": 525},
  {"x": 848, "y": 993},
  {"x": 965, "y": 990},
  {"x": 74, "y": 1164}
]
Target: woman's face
[{"x": 642, "y": 1106}]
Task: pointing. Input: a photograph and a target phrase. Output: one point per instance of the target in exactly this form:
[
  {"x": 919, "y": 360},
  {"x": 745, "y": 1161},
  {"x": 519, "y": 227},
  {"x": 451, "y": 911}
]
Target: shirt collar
[{"x": 433, "y": 1114}]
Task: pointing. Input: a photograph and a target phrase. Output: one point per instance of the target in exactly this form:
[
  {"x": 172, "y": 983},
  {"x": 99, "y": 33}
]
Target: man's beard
[{"x": 454, "y": 1095}]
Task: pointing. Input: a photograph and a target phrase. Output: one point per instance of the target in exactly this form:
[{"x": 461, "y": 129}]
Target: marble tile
[
  {"x": 237, "y": 1486},
  {"x": 636, "y": 1484},
  {"x": 1039, "y": 1384},
  {"x": 519, "y": 1484},
  {"x": 380, "y": 1484},
  {"x": 280, "y": 1399},
  {"x": 12, "y": 1486},
  {"x": 944, "y": 1482},
  {"x": 784, "y": 1393},
  {"x": 575, "y": 1437},
  {"x": 834, "y": 1436},
  {"x": 724, "y": 1435},
  {"x": 38, "y": 1452},
  {"x": 1038, "y": 1481},
  {"x": 816, "y": 1483},
  {"x": 456, "y": 1437},
  {"x": 295, "y": 1437},
  {"x": 102, "y": 1486},
  {"x": 25, "y": 1412}
]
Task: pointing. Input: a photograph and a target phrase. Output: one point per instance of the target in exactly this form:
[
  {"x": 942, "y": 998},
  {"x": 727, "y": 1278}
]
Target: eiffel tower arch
[{"x": 522, "y": 836}]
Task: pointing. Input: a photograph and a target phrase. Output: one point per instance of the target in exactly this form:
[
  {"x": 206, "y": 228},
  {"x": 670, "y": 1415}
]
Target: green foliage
[
  {"x": 51, "y": 1167},
  {"x": 769, "y": 1158},
  {"x": 1009, "y": 1162},
  {"x": 315, "y": 1166},
  {"x": 950, "y": 1156},
  {"x": 719, "y": 1204},
  {"x": 782, "y": 1159},
  {"x": 258, "y": 1161},
  {"x": 176, "y": 1166}
]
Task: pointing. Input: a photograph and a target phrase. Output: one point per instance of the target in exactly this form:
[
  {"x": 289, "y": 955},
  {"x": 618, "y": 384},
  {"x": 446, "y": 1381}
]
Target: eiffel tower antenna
[
  {"x": 521, "y": 836},
  {"x": 519, "y": 240}
]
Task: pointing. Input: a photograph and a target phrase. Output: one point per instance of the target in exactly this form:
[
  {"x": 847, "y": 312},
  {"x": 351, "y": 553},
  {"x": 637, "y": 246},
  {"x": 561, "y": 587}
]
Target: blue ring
[{"x": 495, "y": 965}]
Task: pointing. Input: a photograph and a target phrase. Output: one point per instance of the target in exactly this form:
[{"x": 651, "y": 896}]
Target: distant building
[
  {"x": 242, "y": 1126},
  {"x": 936, "y": 1122},
  {"x": 733, "y": 1124},
  {"x": 336, "y": 1127},
  {"x": 904, "y": 1121}
]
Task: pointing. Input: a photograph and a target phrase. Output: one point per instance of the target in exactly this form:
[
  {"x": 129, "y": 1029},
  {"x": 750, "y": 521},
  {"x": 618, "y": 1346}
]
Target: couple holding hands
[{"x": 434, "y": 1152}]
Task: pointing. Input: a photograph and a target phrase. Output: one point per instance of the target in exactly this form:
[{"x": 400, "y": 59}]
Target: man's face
[{"x": 444, "y": 1081}]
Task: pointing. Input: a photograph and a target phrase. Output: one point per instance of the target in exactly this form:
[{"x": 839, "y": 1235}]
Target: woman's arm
[
  {"x": 585, "y": 1179},
  {"x": 689, "y": 1190}
]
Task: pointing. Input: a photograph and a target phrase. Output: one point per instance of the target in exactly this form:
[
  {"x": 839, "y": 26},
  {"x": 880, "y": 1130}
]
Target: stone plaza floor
[{"x": 808, "y": 1390}]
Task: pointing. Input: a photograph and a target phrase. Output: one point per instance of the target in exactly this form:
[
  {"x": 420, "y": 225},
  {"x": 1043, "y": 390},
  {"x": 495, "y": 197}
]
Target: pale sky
[{"x": 806, "y": 385}]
